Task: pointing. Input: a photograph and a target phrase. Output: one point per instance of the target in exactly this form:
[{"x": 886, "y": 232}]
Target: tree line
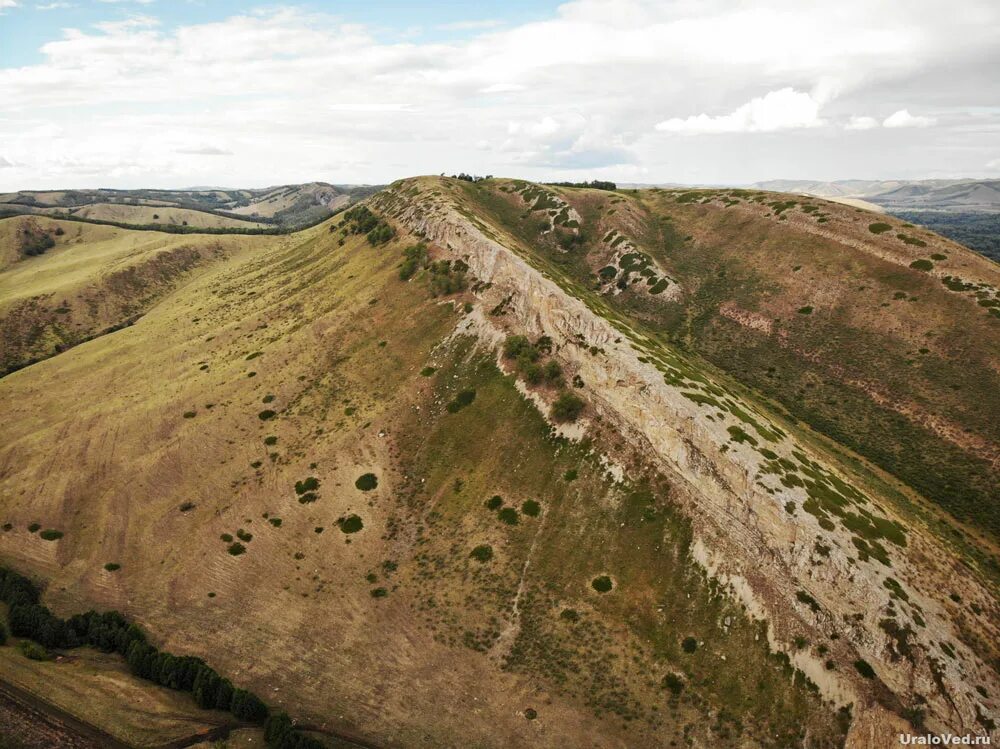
[{"x": 112, "y": 632}]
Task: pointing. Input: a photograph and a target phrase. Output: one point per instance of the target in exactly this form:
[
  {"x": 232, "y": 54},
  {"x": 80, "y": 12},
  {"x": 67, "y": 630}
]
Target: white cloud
[
  {"x": 8, "y": 4},
  {"x": 299, "y": 90},
  {"x": 54, "y": 6},
  {"x": 4, "y": 164},
  {"x": 784, "y": 109},
  {"x": 204, "y": 151},
  {"x": 903, "y": 118},
  {"x": 858, "y": 122},
  {"x": 487, "y": 23}
]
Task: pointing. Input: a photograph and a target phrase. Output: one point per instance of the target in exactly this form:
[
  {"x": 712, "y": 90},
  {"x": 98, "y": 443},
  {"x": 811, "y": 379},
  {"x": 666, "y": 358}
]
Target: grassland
[{"x": 295, "y": 397}]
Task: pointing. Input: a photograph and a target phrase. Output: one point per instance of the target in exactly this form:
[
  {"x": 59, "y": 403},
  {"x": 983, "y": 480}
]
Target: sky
[{"x": 181, "y": 93}]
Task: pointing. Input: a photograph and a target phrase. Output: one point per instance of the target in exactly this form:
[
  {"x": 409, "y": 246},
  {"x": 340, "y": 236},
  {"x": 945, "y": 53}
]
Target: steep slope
[
  {"x": 418, "y": 503},
  {"x": 756, "y": 532},
  {"x": 212, "y": 413}
]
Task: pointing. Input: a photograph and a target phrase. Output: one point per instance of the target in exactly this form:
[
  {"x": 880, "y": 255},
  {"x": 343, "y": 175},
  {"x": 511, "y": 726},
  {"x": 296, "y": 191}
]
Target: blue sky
[{"x": 158, "y": 93}]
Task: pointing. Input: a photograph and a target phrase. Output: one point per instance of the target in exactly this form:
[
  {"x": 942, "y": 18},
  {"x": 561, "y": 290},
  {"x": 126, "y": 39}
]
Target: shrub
[
  {"x": 864, "y": 668},
  {"x": 379, "y": 592},
  {"x": 508, "y": 515},
  {"x": 271, "y": 440},
  {"x": 242, "y": 535},
  {"x": 515, "y": 346},
  {"x": 689, "y": 645},
  {"x": 463, "y": 399},
  {"x": 33, "y": 650},
  {"x": 427, "y": 371},
  {"x": 350, "y": 524},
  {"x": 276, "y": 522},
  {"x": 227, "y": 537},
  {"x": 674, "y": 683},
  {"x": 531, "y": 508},
  {"x": 33, "y": 528},
  {"x": 553, "y": 371},
  {"x": 570, "y": 475},
  {"x": 570, "y": 615},
  {"x": 366, "y": 482},
  {"x": 51, "y": 535},
  {"x": 567, "y": 407},
  {"x": 310, "y": 484},
  {"x": 922, "y": 264},
  {"x": 482, "y": 553},
  {"x": 267, "y": 398},
  {"x": 3, "y": 634},
  {"x": 602, "y": 584},
  {"x": 879, "y": 228},
  {"x": 494, "y": 502},
  {"x": 236, "y": 549},
  {"x": 807, "y": 310},
  {"x": 415, "y": 256},
  {"x": 266, "y": 414},
  {"x": 112, "y": 566}
]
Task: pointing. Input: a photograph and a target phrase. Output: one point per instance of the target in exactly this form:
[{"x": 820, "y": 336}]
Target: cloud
[
  {"x": 8, "y": 4},
  {"x": 5, "y": 164},
  {"x": 903, "y": 118},
  {"x": 300, "y": 89},
  {"x": 487, "y": 23},
  {"x": 861, "y": 123},
  {"x": 204, "y": 151},
  {"x": 785, "y": 109},
  {"x": 53, "y": 6}
]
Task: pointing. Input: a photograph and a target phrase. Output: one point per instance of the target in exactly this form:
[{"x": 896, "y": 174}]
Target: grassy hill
[
  {"x": 350, "y": 458},
  {"x": 283, "y": 208}
]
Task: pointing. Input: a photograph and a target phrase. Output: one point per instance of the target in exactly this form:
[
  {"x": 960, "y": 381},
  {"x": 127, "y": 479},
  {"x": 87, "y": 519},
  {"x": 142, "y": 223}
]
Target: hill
[
  {"x": 579, "y": 467},
  {"x": 287, "y": 207}
]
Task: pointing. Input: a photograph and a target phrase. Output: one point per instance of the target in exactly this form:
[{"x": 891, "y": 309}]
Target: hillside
[
  {"x": 286, "y": 207},
  {"x": 580, "y": 468}
]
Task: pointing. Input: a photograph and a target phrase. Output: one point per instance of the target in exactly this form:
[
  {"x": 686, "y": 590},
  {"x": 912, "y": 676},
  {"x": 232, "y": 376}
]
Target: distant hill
[
  {"x": 977, "y": 196},
  {"x": 283, "y": 207}
]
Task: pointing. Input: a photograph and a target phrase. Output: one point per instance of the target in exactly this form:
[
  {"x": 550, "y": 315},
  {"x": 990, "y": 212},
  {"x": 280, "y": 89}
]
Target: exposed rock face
[{"x": 755, "y": 529}]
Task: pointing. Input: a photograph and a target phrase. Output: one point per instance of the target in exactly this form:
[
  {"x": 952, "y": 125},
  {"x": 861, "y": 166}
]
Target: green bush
[
  {"x": 807, "y": 310},
  {"x": 415, "y": 257},
  {"x": 310, "y": 484},
  {"x": 51, "y": 535},
  {"x": 266, "y": 414},
  {"x": 33, "y": 651},
  {"x": 112, "y": 566},
  {"x": 922, "y": 264},
  {"x": 236, "y": 549},
  {"x": 567, "y": 407},
  {"x": 674, "y": 683},
  {"x": 864, "y": 668},
  {"x": 602, "y": 584},
  {"x": 227, "y": 538},
  {"x": 482, "y": 553},
  {"x": 350, "y": 524},
  {"x": 508, "y": 515},
  {"x": 270, "y": 440},
  {"x": 463, "y": 399},
  {"x": 242, "y": 535},
  {"x": 494, "y": 502},
  {"x": 879, "y": 228},
  {"x": 366, "y": 482},
  {"x": 689, "y": 645},
  {"x": 427, "y": 371},
  {"x": 531, "y": 508}
]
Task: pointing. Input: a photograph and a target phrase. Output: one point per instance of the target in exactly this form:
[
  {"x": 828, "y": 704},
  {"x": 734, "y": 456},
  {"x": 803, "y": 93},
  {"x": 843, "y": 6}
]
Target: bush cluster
[{"x": 360, "y": 220}]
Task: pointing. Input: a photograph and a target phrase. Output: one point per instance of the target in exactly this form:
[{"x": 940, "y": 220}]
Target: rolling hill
[
  {"x": 578, "y": 467},
  {"x": 283, "y": 208}
]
